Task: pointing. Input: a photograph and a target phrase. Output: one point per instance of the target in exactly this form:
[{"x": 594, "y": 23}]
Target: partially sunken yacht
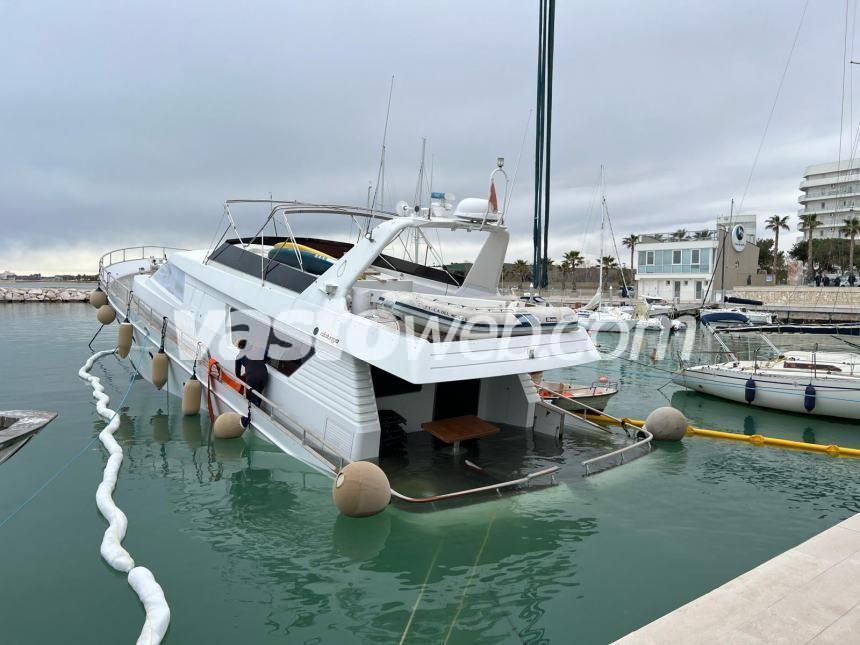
[{"x": 339, "y": 351}]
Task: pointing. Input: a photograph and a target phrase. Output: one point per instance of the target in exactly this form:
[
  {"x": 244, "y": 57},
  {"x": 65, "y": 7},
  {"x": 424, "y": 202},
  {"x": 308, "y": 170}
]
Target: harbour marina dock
[{"x": 809, "y": 594}]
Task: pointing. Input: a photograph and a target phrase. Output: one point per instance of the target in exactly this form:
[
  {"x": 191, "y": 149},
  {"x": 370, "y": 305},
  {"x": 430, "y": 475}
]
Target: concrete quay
[
  {"x": 44, "y": 294},
  {"x": 809, "y": 594}
]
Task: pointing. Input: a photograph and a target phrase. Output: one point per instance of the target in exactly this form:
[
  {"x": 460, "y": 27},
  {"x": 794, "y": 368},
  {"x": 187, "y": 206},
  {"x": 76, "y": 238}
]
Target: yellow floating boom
[{"x": 833, "y": 450}]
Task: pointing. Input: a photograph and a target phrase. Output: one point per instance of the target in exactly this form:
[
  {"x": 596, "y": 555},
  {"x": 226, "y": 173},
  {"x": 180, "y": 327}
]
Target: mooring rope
[{"x": 139, "y": 578}]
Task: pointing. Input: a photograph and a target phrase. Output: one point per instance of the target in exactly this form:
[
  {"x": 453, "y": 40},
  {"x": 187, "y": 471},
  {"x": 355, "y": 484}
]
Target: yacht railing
[
  {"x": 133, "y": 253},
  {"x": 645, "y": 441},
  {"x": 522, "y": 481}
]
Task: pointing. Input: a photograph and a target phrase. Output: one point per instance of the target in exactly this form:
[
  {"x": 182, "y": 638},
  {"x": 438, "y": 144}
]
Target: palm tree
[
  {"x": 608, "y": 262},
  {"x": 565, "y": 269},
  {"x": 574, "y": 259},
  {"x": 809, "y": 223},
  {"x": 702, "y": 235},
  {"x": 522, "y": 271},
  {"x": 776, "y": 224},
  {"x": 630, "y": 242},
  {"x": 851, "y": 230},
  {"x": 679, "y": 235}
]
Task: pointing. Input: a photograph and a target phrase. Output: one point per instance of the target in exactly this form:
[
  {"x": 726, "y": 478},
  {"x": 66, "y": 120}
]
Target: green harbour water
[{"x": 249, "y": 548}]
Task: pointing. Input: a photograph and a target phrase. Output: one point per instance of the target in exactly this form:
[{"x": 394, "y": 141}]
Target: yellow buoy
[
  {"x": 191, "y": 396},
  {"x": 124, "y": 337},
  {"x": 160, "y": 362},
  {"x": 228, "y": 426},
  {"x": 98, "y": 298},
  {"x": 361, "y": 489},
  {"x": 106, "y": 314}
]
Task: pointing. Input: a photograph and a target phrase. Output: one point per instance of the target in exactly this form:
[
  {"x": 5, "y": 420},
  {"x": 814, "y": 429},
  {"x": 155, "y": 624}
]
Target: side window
[
  {"x": 676, "y": 257},
  {"x": 694, "y": 257},
  {"x": 649, "y": 257},
  {"x": 286, "y": 353},
  {"x": 244, "y": 327}
]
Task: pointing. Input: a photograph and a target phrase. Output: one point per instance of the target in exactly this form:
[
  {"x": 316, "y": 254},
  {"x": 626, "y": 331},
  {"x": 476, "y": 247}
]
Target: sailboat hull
[{"x": 832, "y": 396}]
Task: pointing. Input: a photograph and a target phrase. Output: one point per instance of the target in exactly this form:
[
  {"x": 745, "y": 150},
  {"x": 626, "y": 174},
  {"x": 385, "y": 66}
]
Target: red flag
[{"x": 494, "y": 202}]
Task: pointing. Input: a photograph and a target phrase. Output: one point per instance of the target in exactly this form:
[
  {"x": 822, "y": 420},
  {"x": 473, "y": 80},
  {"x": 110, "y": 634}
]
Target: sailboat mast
[
  {"x": 725, "y": 235},
  {"x": 543, "y": 131}
]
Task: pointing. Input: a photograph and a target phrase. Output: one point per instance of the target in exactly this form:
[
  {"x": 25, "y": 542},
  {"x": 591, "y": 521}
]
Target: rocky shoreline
[{"x": 47, "y": 294}]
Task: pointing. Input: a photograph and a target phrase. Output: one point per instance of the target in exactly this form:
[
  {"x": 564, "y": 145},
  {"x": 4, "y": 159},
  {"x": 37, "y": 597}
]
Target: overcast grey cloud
[{"x": 125, "y": 123}]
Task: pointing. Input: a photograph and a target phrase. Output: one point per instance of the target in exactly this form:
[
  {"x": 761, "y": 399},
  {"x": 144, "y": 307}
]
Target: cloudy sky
[{"x": 125, "y": 123}]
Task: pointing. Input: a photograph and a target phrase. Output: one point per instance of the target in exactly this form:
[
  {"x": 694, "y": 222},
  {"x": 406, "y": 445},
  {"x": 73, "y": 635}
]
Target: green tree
[
  {"x": 574, "y": 259},
  {"x": 851, "y": 230},
  {"x": 766, "y": 256},
  {"x": 775, "y": 223},
  {"x": 680, "y": 234},
  {"x": 702, "y": 235},
  {"x": 565, "y": 269},
  {"x": 809, "y": 223},
  {"x": 630, "y": 242},
  {"x": 523, "y": 271}
]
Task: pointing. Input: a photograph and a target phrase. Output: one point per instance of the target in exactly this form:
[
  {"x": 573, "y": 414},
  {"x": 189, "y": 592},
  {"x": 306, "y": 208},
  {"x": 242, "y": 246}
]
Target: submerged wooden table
[{"x": 457, "y": 429}]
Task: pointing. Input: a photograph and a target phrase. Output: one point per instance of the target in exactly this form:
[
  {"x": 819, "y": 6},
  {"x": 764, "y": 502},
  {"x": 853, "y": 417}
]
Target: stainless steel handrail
[
  {"x": 621, "y": 451},
  {"x": 620, "y": 422},
  {"x": 142, "y": 250},
  {"x": 481, "y": 489}
]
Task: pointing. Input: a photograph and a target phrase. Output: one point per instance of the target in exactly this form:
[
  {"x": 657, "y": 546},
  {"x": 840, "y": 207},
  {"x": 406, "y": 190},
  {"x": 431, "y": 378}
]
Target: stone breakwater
[{"x": 46, "y": 294}]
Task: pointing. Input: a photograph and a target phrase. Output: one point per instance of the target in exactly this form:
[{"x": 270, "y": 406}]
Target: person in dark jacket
[
  {"x": 252, "y": 370},
  {"x": 851, "y": 279},
  {"x": 817, "y": 279}
]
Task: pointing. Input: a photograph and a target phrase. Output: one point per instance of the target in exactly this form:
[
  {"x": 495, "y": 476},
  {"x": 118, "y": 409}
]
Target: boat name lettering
[{"x": 329, "y": 337}]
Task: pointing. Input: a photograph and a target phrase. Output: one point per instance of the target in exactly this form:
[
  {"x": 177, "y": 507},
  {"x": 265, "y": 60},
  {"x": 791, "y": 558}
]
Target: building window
[
  {"x": 822, "y": 204},
  {"x": 649, "y": 257},
  {"x": 694, "y": 257},
  {"x": 676, "y": 257}
]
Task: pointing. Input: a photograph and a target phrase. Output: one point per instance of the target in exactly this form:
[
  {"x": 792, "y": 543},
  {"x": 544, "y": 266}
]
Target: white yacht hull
[{"x": 833, "y": 396}]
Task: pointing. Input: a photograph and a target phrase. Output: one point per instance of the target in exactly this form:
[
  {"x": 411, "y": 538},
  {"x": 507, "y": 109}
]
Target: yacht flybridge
[{"x": 362, "y": 349}]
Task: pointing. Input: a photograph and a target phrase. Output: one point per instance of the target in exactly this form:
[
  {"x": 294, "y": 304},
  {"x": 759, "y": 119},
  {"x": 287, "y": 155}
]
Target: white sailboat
[
  {"x": 817, "y": 383},
  {"x": 595, "y": 316}
]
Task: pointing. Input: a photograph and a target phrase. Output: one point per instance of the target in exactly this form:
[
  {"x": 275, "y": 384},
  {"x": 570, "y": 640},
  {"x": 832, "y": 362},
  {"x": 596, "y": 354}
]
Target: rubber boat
[
  {"x": 753, "y": 315},
  {"x": 471, "y": 318},
  {"x": 301, "y": 257}
]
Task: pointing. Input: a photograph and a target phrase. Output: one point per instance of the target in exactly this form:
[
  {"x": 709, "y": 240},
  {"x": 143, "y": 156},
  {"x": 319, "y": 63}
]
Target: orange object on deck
[{"x": 217, "y": 372}]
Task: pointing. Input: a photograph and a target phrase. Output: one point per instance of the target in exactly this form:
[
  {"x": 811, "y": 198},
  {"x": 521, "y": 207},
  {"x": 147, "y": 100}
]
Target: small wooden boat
[
  {"x": 17, "y": 427},
  {"x": 574, "y": 398}
]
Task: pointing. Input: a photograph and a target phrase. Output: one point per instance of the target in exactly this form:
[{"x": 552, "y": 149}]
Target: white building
[
  {"x": 748, "y": 221},
  {"x": 680, "y": 270},
  {"x": 831, "y": 191}
]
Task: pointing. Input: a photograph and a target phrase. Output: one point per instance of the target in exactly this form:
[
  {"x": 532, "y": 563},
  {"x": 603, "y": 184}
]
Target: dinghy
[
  {"x": 301, "y": 257},
  {"x": 472, "y": 318}
]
